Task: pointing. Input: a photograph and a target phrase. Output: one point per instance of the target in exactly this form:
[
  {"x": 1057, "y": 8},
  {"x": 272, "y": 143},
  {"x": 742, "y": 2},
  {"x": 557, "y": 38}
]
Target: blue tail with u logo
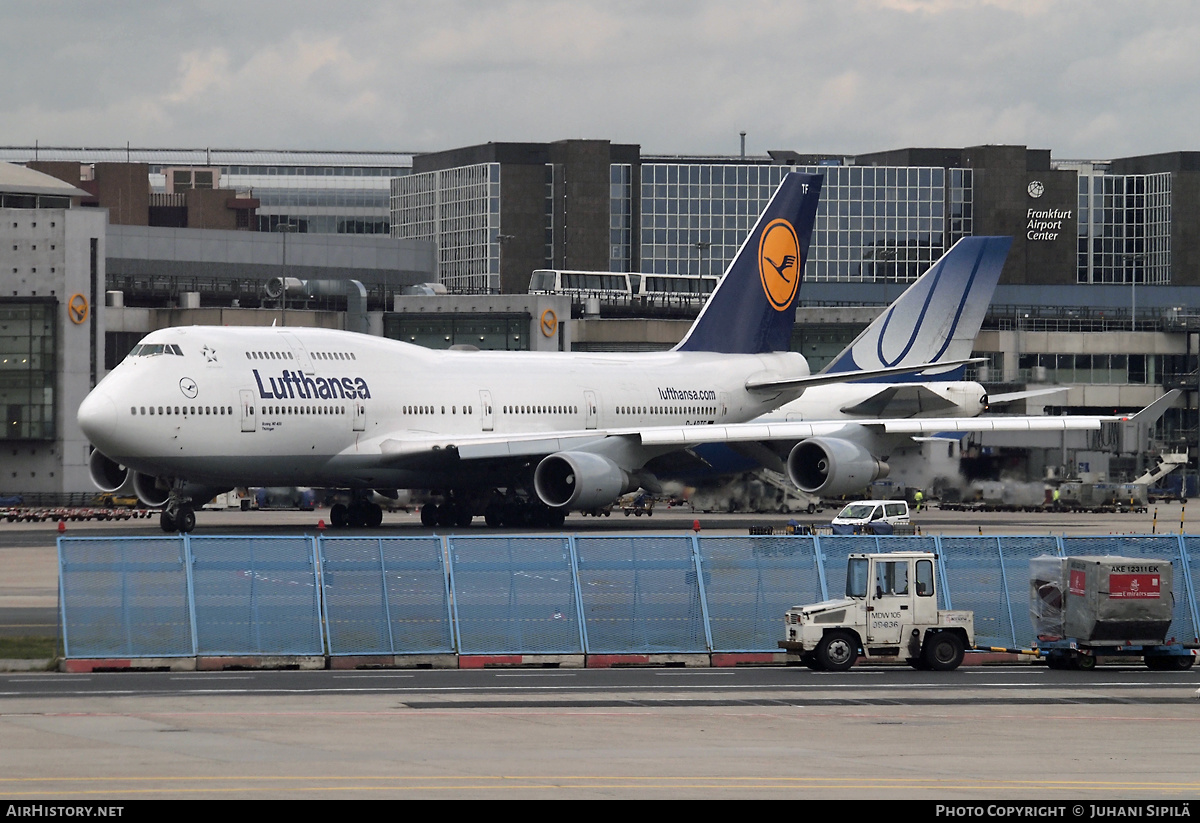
[
  {"x": 753, "y": 308},
  {"x": 936, "y": 318}
]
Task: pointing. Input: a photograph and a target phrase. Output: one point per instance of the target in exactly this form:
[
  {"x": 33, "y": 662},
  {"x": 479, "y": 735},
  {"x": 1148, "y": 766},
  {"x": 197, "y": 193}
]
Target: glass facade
[
  {"x": 311, "y": 199},
  {"x": 874, "y": 223},
  {"x": 28, "y": 368},
  {"x": 459, "y": 209},
  {"x": 1124, "y": 228},
  {"x": 620, "y": 216}
]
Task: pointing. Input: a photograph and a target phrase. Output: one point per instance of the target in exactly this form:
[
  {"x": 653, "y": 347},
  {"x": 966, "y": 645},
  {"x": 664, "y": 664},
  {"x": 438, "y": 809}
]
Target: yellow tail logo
[{"x": 779, "y": 263}]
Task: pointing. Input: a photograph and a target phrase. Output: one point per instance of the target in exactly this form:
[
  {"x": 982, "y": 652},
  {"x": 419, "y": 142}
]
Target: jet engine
[
  {"x": 832, "y": 466},
  {"x": 107, "y": 474},
  {"x": 148, "y": 491},
  {"x": 580, "y": 480}
]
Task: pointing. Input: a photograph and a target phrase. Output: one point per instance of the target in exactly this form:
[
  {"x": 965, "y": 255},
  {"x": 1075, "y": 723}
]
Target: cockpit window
[{"x": 150, "y": 349}]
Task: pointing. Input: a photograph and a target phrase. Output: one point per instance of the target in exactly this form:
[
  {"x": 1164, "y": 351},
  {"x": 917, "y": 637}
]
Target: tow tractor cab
[{"x": 889, "y": 613}]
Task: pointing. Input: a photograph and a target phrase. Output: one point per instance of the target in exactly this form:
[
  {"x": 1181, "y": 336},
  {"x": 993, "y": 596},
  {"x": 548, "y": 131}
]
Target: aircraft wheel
[
  {"x": 185, "y": 519},
  {"x": 837, "y": 651},
  {"x": 166, "y": 521},
  {"x": 492, "y": 516},
  {"x": 338, "y": 518},
  {"x": 429, "y": 515},
  {"x": 373, "y": 515}
]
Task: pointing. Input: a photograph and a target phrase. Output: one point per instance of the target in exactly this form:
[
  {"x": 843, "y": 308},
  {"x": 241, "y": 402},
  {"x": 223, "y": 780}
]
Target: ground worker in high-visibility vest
[{"x": 919, "y": 498}]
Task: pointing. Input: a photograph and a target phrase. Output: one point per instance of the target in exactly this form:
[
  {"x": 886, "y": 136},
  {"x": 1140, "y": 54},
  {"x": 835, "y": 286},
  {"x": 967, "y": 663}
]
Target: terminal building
[{"x": 1098, "y": 292}]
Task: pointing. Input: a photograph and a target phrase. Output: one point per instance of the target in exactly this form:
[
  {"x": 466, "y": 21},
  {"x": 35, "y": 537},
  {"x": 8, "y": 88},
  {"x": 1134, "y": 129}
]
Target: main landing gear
[
  {"x": 358, "y": 514},
  {"x": 177, "y": 515}
]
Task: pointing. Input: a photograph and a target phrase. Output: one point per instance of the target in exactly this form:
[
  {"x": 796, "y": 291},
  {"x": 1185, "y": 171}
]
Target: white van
[{"x": 868, "y": 512}]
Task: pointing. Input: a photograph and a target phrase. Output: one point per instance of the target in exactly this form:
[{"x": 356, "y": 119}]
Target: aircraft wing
[
  {"x": 690, "y": 435},
  {"x": 415, "y": 445},
  {"x": 822, "y": 379},
  {"x": 1012, "y": 397}
]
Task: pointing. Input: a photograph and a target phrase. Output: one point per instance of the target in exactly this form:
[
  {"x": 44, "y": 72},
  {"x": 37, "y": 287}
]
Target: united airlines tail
[
  {"x": 753, "y": 308},
  {"x": 937, "y": 317}
]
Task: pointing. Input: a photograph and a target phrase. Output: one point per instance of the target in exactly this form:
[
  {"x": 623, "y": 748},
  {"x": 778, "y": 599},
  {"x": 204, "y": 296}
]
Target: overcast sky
[{"x": 1084, "y": 78}]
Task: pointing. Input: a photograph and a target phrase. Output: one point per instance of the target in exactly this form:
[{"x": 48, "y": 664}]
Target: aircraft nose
[{"x": 98, "y": 418}]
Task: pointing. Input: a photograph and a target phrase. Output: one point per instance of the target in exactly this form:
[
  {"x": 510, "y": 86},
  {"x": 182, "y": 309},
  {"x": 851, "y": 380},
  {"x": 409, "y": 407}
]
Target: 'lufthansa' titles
[{"x": 292, "y": 385}]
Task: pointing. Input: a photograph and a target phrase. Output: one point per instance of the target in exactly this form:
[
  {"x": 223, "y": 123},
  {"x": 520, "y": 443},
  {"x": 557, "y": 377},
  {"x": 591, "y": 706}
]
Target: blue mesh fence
[
  {"x": 640, "y": 595},
  {"x": 515, "y": 595},
  {"x": 124, "y": 597},
  {"x": 749, "y": 582},
  {"x": 990, "y": 576},
  {"x": 1190, "y": 575},
  {"x": 256, "y": 595},
  {"x": 385, "y": 595},
  {"x": 181, "y": 596}
]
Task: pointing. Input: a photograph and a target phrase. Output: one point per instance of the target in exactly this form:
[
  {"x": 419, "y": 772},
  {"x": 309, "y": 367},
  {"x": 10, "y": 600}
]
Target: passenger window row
[
  {"x": 322, "y": 410},
  {"x": 541, "y": 409},
  {"x": 180, "y": 410},
  {"x": 434, "y": 409},
  {"x": 709, "y": 410}
]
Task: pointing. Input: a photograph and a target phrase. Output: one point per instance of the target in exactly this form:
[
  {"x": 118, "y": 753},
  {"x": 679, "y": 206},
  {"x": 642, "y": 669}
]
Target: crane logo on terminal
[{"x": 779, "y": 263}]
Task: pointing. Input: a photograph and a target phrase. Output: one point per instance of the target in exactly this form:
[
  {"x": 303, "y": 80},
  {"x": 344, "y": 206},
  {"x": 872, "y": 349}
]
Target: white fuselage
[
  {"x": 289, "y": 406},
  {"x": 962, "y": 398}
]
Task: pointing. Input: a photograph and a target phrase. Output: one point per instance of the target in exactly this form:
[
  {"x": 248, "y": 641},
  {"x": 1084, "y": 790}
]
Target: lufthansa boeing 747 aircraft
[{"x": 519, "y": 437}]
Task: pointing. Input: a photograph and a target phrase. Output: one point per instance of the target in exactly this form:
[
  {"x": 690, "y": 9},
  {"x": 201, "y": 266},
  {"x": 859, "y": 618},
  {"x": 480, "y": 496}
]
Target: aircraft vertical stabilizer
[
  {"x": 754, "y": 306},
  {"x": 937, "y": 317}
]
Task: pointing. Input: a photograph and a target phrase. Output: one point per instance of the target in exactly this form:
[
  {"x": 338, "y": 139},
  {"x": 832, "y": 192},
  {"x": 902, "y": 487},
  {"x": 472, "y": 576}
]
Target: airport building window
[
  {"x": 459, "y": 209},
  {"x": 874, "y": 223},
  {"x": 28, "y": 369},
  {"x": 1124, "y": 228}
]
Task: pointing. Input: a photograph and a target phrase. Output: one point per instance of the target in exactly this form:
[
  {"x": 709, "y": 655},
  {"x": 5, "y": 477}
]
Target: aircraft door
[
  {"x": 360, "y": 416},
  {"x": 590, "y": 409},
  {"x": 723, "y": 405},
  {"x": 299, "y": 352},
  {"x": 486, "y": 417},
  {"x": 249, "y": 415}
]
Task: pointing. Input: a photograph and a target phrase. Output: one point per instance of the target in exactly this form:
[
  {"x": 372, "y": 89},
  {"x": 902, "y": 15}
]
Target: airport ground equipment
[
  {"x": 890, "y": 612},
  {"x": 1086, "y": 607}
]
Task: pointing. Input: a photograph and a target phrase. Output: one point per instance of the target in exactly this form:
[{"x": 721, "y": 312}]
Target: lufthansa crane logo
[
  {"x": 77, "y": 308},
  {"x": 779, "y": 263}
]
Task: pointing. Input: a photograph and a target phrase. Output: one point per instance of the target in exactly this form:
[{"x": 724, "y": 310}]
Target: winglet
[
  {"x": 753, "y": 308},
  {"x": 937, "y": 317}
]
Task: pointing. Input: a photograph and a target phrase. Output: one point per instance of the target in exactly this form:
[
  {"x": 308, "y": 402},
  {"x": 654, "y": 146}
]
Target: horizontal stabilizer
[{"x": 901, "y": 400}]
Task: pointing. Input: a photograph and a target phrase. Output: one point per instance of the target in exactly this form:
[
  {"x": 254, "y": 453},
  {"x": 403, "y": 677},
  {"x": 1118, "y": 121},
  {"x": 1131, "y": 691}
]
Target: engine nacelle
[
  {"x": 580, "y": 480},
  {"x": 107, "y": 474},
  {"x": 831, "y": 466},
  {"x": 148, "y": 491}
]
